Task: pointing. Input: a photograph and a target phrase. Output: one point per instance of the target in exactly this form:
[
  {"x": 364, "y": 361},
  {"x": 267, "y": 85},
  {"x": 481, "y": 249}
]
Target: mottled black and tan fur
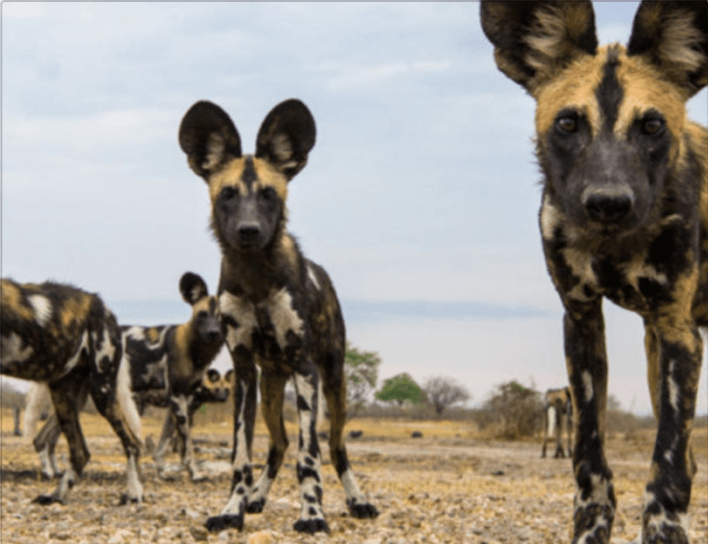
[
  {"x": 279, "y": 309},
  {"x": 624, "y": 216},
  {"x": 66, "y": 338},
  {"x": 558, "y": 413}
]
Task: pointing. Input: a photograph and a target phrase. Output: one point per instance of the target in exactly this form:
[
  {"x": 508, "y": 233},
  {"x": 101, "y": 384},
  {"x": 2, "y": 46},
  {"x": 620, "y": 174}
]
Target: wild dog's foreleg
[
  {"x": 309, "y": 472},
  {"x": 546, "y": 429},
  {"x": 586, "y": 360},
  {"x": 168, "y": 431},
  {"x": 68, "y": 396},
  {"x": 112, "y": 395},
  {"x": 674, "y": 349},
  {"x": 334, "y": 388},
  {"x": 179, "y": 405},
  {"x": 559, "y": 433},
  {"x": 244, "y": 417},
  {"x": 45, "y": 443},
  {"x": 272, "y": 393}
]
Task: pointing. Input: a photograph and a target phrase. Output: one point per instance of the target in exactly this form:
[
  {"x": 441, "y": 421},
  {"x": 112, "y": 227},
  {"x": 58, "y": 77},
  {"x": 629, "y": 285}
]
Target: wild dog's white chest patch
[
  {"x": 239, "y": 316},
  {"x": 283, "y": 316}
]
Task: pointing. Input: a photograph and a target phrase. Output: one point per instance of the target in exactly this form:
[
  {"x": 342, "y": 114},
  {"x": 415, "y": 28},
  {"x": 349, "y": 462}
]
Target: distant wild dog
[
  {"x": 66, "y": 338},
  {"x": 212, "y": 388},
  {"x": 624, "y": 216},
  {"x": 166, "y": 365},
  {"x": 558, "y": 412},
  {"x": 279, "y": 309}
]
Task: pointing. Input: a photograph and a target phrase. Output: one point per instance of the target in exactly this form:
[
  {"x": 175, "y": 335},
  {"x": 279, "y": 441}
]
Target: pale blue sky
[{"x": 422, "y": 186}]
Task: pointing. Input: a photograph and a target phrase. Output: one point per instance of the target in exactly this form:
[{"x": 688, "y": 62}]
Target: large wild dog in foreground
[
  {"x": 278, "y": 308},
  {"x": 167, "y": 365},
  {"x": 624, "y": 216},
  {"x": 64, "y": 337}
]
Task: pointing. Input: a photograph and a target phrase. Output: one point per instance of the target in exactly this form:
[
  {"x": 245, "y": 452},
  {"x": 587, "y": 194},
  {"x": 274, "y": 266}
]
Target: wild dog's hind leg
[
  {"x": 334, "y": 388},
  {"x": 179, "y": 405},
  {"x": 674, "y": 352},
  {"x": 45, "y": 443},
  {"x": 587, "y": 372},
  {"x": 272, "y": 393},
  {"x": 68, "y": 396},
  {"x": 112, "y": 395},
  {"x": 309, "y": 472}
]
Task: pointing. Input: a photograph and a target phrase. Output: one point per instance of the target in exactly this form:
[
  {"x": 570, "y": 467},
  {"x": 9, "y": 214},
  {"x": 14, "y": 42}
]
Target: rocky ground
[{"x": 449, "y": 486}]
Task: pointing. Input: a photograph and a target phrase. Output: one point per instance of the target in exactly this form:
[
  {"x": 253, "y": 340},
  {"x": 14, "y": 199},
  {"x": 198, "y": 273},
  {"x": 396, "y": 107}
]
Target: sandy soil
[{"x": 448, "y": 487}]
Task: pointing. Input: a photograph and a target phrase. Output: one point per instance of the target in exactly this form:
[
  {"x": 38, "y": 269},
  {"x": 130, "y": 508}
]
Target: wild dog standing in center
[
  {"x": 624, "y": 216},
  {"x": 279, "y": 309}
]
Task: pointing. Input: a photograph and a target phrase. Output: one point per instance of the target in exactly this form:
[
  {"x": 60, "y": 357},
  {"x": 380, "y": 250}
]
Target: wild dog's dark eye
[
  {"x": 227, "y": 193},
  {"x": 652, "y": 126},
  {"x": 202, "y": 314},
  {"x": 567, "y": 123},
  {"x": 268, "y": 193}
]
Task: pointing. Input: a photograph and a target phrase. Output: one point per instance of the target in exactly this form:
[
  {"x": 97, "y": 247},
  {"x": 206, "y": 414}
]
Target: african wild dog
[
  {"x": 64, "y": 337},
  {"x": 212, "y": 388},
  {"x": 278, "y": 308},
  {"x": 167, "y": 364},
  {"x": 624, "y": 216},
  {"x": 558, "y": 412}
]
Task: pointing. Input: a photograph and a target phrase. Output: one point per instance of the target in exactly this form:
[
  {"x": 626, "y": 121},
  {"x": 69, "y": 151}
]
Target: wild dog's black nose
[
  {"x": 608, "y": 205},
  {"x": 249, "y": 232}
]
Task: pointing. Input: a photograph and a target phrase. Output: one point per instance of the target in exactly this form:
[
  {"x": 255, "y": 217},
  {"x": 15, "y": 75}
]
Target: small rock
[
  {"x": 263, "y": 537},
  {"x": 417, "y": 434},
  {"x": 199, "y": 533}
]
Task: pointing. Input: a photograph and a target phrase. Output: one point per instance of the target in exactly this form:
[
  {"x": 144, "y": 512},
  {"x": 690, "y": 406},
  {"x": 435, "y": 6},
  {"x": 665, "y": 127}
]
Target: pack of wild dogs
[{"x": 624, "y": 216}]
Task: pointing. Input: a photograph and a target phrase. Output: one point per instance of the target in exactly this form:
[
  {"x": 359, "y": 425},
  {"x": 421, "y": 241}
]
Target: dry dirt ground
[{"x": 450, "y": 486}]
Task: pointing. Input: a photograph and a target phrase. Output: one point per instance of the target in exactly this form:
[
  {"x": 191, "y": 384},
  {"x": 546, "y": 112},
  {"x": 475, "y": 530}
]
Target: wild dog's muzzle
[{"x": 608, "y": 204}]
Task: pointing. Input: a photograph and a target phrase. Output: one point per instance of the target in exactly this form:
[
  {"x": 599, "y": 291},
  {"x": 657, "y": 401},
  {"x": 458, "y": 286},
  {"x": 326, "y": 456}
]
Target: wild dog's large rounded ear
[
  {"x": 193, "y": 288},
  {"x": 208, "y": 137},
  {"x": 673, "y": 36},
  {"x": 533, "y": 41},
  {"x": 286, "y": 136}
]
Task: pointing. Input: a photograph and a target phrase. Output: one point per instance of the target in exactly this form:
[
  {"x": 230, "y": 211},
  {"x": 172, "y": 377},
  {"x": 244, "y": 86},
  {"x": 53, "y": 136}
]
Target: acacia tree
[
  {"x": 361, "y": 369},
  {"x": 444, "y": 392},
  {"x": 399, "y": 389}
]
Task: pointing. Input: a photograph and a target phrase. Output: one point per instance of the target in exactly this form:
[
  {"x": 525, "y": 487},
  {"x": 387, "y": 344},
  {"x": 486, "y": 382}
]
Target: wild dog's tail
[
  {"x": 38, "y": 402},
  {"x": 126, "y": 402}
]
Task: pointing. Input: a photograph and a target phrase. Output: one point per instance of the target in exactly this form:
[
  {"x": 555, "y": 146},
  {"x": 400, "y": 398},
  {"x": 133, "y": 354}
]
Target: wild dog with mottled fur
[
  {"x": 279, "y": 309},
  {"x": 624, "y": 216},
  {"x": 166, "y": 365},
  {"x": 558, "y": 412},
  {"x": 65, "y": 337},
  {"x": 212, "y": 388}
]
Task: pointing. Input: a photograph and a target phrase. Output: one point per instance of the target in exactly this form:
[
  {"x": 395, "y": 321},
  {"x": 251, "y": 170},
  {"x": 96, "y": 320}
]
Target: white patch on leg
[
  {"x": 42, "y": 309},
  {"x": 674, "y": 390},
  {"x": 587, "y": 386},
  {"x": 38, "y": 401},
  {"x": 135, "y": 488},
  {"x": 46, "y": 463},
  {"x": 283, "y": 316},
  {"x": 551, "y": 415}
]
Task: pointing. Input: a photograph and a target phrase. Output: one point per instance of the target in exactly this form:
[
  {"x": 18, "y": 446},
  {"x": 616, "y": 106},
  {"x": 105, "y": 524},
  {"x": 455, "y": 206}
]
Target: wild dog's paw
[
  {"x": 46, "y": 500},
  {"x": 256, "y": 507},
  {"x": 362, "y": 510},
  {"x": 216, "y": 524},
  {"x": 127, "y": 499},
  {"x": 311, "y": 526}
]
